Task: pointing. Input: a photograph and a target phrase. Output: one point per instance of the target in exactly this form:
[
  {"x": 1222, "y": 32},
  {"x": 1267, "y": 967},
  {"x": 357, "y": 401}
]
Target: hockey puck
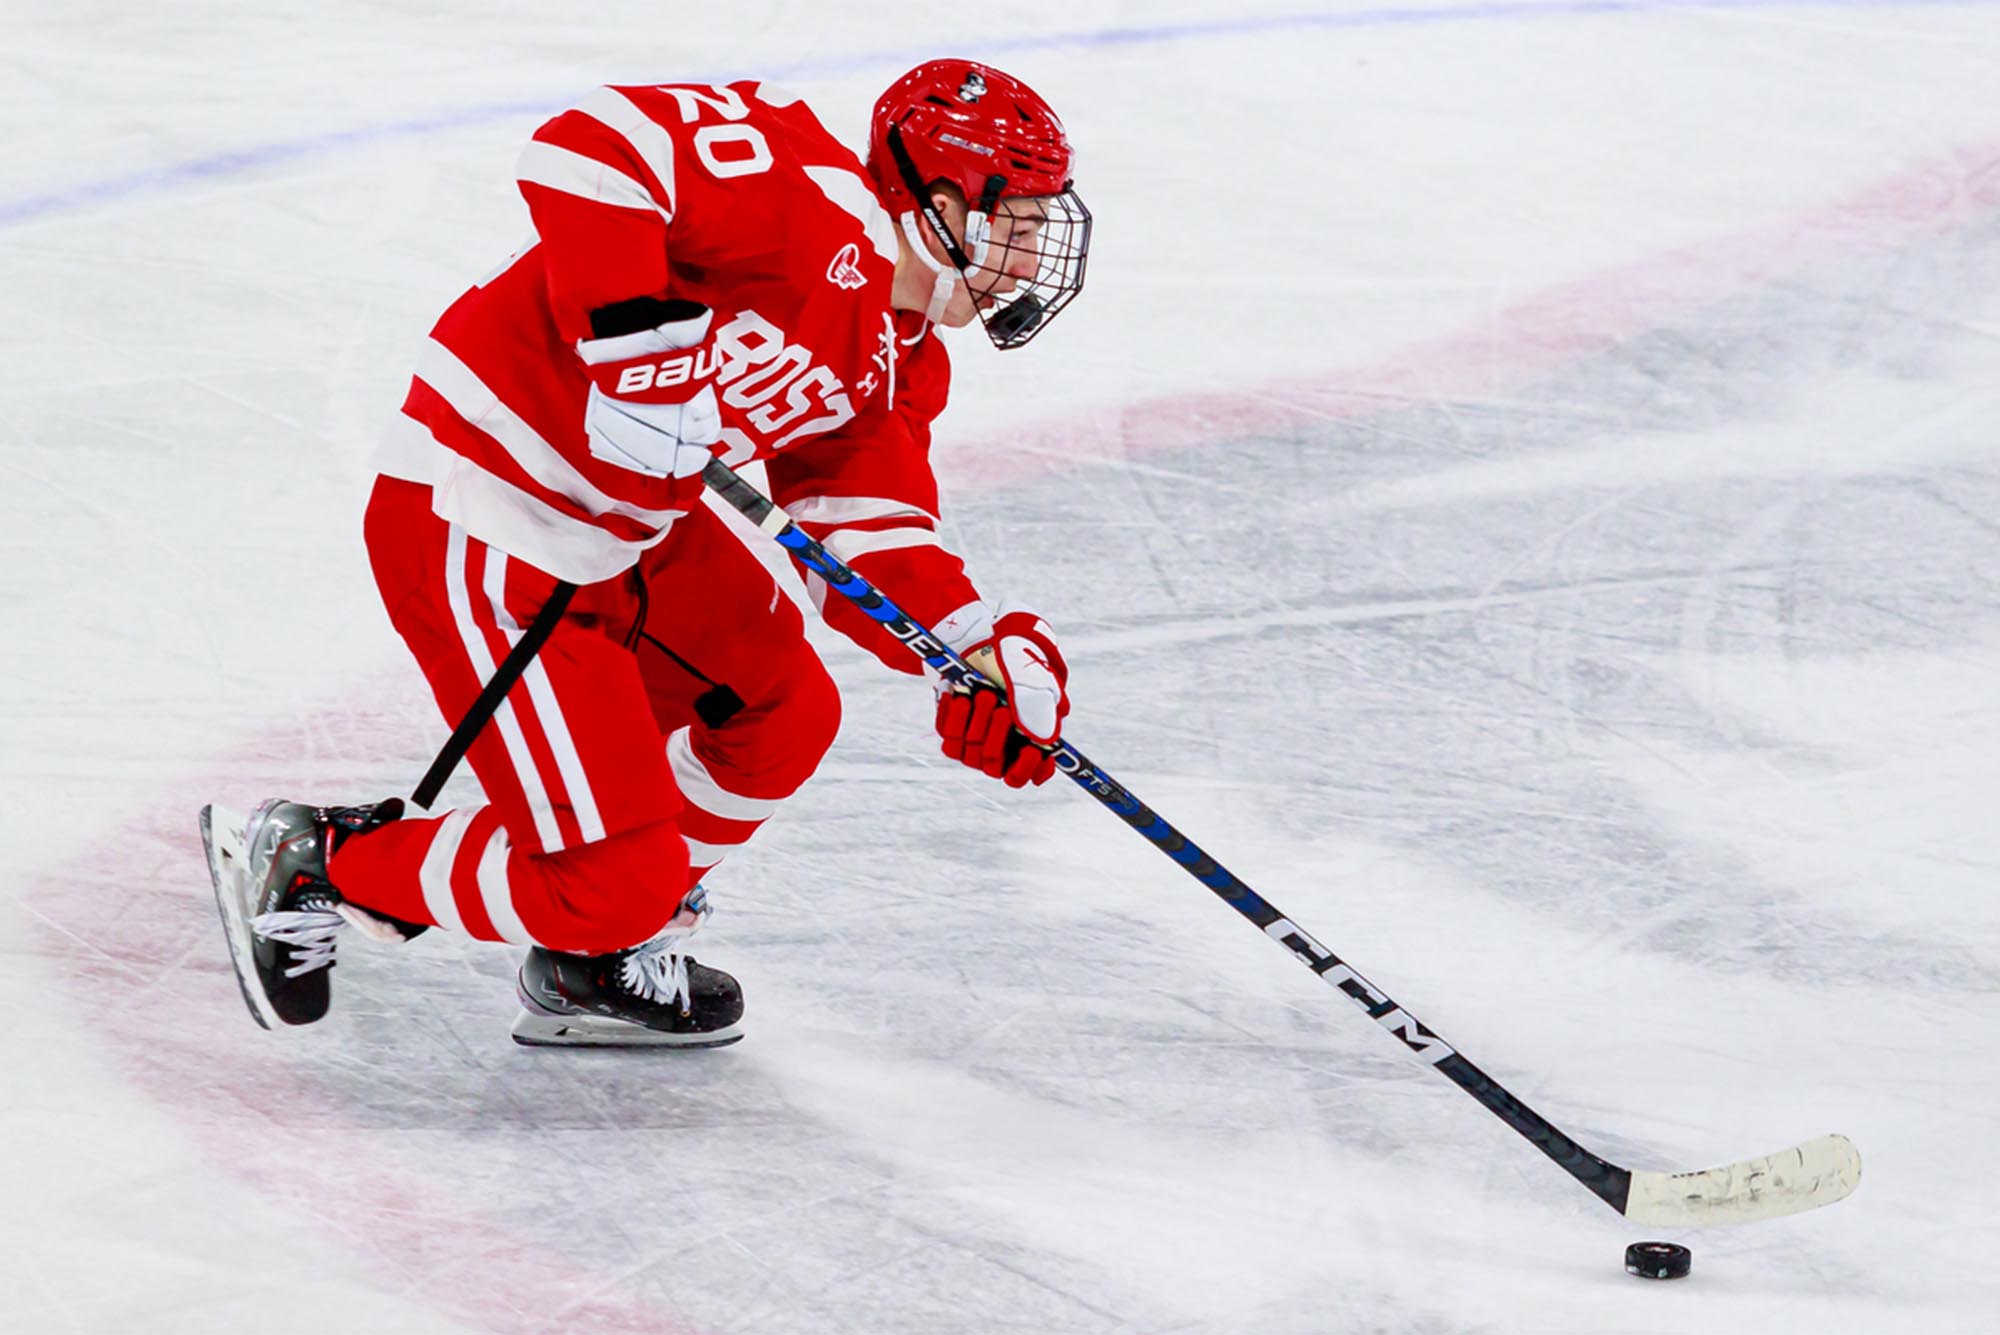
[{"x": 1658, "y": 1260}]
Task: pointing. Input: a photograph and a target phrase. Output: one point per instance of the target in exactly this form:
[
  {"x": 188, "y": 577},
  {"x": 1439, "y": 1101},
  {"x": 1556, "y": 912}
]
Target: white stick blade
[{"x": 1819, "y": 1172}]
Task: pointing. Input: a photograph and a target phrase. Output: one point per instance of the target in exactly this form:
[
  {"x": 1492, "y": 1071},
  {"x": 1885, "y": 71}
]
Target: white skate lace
[
  {"x": 658, "y": 969},
  {"x": 309, "y": 932}
]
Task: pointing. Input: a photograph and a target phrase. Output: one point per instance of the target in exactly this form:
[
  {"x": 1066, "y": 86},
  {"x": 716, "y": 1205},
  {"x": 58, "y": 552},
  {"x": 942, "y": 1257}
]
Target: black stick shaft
[
  {"x": 1611, "y": 1183},
  {"x": 504, "y": 677}
]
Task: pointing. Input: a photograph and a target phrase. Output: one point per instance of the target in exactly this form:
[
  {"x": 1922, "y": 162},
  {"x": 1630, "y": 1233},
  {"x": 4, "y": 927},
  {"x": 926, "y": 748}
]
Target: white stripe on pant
[
  {"x": 705, "y": 797},
  {"x": 458, "y": 588},
  {"x": 548, "y": 712},
  {"x": 435, "y": 875}
]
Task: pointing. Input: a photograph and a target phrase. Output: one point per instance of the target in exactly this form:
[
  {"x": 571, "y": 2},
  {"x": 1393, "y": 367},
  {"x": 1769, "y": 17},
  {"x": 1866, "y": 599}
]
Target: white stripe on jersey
[
  {"x": 474, "y": 400},
  {"x": 699, "y": 787},
  {"x": 434, "y": 876},
  {"x": 849, "y": 509},
  {"x": 501, "y": 515},
  {"x": 857, "y": 196},
  {"x": 458, "y": 589},
  {"x": 548, "y": 710},
  {"x": 409, "y": 451},
  {"x": 851, "y": 543},
  {"x": 581, "y": 175},
  {"x": 649, "y": 141}
]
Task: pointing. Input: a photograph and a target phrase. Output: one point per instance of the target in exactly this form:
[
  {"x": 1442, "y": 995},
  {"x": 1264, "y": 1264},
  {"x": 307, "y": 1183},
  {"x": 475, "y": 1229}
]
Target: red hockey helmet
[
  {"x": 967, "y": 123},
  {"x": 993, "y": 138}
]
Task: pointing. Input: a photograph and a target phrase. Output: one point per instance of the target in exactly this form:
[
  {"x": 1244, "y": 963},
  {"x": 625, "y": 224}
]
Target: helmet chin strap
[
  {"x": 965, "y": 257},
  {"x": 944, "y": 277},
  {"x": 947, "y": 276}
]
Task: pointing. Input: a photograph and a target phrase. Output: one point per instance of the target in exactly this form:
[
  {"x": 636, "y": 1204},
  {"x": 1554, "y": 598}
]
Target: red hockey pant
[{"x": 670, "y": 711}]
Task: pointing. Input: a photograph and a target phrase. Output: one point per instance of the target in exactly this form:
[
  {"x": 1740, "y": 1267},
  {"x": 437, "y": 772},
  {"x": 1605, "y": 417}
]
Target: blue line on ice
[{"x": 235, "y": 162}]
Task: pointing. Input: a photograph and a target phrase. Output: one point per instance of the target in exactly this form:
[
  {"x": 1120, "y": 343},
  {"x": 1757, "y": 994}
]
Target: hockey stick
[
  {"x": 504, "y": 677},
  {"x": 1816, "y": 1172}
]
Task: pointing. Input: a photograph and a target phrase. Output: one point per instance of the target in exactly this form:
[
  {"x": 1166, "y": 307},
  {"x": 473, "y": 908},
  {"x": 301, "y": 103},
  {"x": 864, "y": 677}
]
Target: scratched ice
[{"x": 1521, "y": 489}]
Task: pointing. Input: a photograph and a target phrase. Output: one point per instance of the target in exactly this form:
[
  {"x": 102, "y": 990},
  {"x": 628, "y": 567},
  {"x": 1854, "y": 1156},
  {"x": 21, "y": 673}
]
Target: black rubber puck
[{"x": 1658, "y": 1260}]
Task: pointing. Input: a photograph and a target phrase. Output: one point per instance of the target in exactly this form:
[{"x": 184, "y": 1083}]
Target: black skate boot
[
  {"x": 279, "y": 911},
  {"x": 653, "y": 995}
]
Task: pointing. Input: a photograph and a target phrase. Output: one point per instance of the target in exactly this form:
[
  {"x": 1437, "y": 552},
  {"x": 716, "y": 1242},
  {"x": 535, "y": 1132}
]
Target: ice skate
[
  {"x": 280, "y": 914},
  {"x": 653, "y": 995}
]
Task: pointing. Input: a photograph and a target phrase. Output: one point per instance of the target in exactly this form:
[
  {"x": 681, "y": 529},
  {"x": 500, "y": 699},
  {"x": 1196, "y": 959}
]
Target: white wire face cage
[{"x": 1063, "y": 244}]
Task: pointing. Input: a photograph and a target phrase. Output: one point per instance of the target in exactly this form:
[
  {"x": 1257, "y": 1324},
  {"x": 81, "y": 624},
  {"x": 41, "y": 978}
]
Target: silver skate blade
[
  {"x": 536, "y": 1029},
  {"x": 228, "y": 849}
]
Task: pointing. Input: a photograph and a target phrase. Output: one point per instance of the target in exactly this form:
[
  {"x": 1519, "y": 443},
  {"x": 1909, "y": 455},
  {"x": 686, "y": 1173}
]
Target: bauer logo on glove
[
  {"x": 699, "y": 365},
  {"x": 652, "y": 406}
]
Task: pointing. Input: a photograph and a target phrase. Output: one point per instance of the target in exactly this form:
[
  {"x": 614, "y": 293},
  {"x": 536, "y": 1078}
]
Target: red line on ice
[{"x": 1548, "y": 330}]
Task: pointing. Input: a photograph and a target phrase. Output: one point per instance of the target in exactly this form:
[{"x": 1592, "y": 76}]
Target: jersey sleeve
[
  {"x": 869, "y": 496},
  {"x": 599, "y": 183}
]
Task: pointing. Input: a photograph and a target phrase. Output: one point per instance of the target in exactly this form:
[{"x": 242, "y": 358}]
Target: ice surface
[{"x": 1521, "y": 488}]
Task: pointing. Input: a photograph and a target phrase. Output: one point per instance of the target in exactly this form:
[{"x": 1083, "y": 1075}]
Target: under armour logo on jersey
[
  {"x": 845, "y": 271},
  {"x": 973, "y": 88}
]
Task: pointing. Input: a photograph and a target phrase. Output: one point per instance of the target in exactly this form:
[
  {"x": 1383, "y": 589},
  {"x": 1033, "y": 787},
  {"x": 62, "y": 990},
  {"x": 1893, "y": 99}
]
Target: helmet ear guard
[{"x": 993, "y": 139}]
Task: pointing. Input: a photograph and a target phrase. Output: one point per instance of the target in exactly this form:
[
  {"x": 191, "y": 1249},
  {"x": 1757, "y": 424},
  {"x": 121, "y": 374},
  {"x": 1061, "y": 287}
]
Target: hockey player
[{"x": 711, "y": 273}]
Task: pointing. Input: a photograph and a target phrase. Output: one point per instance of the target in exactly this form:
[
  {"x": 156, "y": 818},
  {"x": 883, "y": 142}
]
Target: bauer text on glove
[{"x": 652, "y": 402}]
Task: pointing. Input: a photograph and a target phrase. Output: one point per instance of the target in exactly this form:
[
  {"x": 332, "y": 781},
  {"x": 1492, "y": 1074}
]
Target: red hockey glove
[
  {"x": 1005, "y": 738},
  {"x": 652, "y": 402}
]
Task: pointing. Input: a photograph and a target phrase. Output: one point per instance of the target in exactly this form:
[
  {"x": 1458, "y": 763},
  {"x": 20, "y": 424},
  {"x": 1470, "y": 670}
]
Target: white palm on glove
[
  {"x": 652, "y": 406},
  {"x": 1015, "y": 649}
]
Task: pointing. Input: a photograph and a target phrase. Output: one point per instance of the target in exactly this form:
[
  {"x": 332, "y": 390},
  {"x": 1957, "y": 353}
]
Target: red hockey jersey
[{"x": 736, "y": 197}]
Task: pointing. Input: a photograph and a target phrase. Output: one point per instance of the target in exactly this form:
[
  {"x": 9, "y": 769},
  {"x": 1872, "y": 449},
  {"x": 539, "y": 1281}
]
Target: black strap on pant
[{"x": 504, "y": 677}]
